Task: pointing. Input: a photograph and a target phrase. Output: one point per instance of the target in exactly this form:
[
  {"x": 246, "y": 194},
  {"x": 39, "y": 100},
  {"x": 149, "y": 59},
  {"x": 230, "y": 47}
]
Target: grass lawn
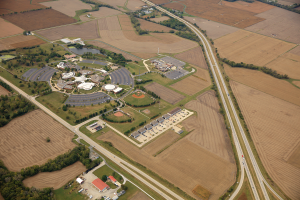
[
  {"x": 162, "y": 107},
  {"x": 117, "y": 118},
  {"x": 70, "y": 193},
  {"x": 133, "y": 100},
  {"x": 130, "y": 192},
  {"x": 136, "y": 68},
  {"x": 94, "y": 89},
  {"x": 156, "y": 78},
  {"x": 105, "y": 170},
  {"x": 91, "y": 65}
]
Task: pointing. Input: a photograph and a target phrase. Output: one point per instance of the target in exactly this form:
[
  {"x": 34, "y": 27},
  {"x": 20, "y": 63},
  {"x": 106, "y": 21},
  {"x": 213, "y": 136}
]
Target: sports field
[{"x": 138, "y": 99}]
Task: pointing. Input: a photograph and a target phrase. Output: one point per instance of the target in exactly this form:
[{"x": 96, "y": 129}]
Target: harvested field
[
  {"x": 251, "y": 48},
  {"x": 39, "y": 19},
  {"x": 177, "y": 165},
  {"x": 23, "y": 140},
  {"x": 3, "y": 91},
  {"x": 144, "y": 55},
  {"x": 209, "y": 127},
  {"x": 211, "y": 10},
  {"x": 201, "y": 192},
  {"x": 135, "y": 4},
  {"x": 213, "y": 29},
  {"x": 151, "y": 26},
  {"x": 110, "y": 48},
  {"x": 286, "y": 3},
  {"x": 67, "y": 7},
  {"x": 279, "y": 23},
  {"x": 118, "y": 4},
  {"x": 20, "y": 41},
  {"x": 109, "y": 23},
  {"x": 255, "y": 7},
  {"x": 140, "y": 196},
  {"x": 160, "y": 1},
  {"x": 287, "y": 64},
  {"x": 10, "y": 6},
  {"x": 275, "y": 142},
  {"x": 74, "y": 30},
  {"x": 55, "y": 179},
  {"x": 125, "y": 23},
  {"x": 165, "y": 93},
  {"x": 297, "y": 83},
  {"x": 265, "y": 83},
  {"x": 193, "y": 56},
  {"x": 194, "y": 83},
  {"x": 166, "y": 139},
  {"x": 7, "y": 29},
  {"x": 160, "y": 19},
  {"x": 294, "y": 158},
  {"x": 175, "y": 6},
  {"x": 295, "y": 51},
  {"x": 102, "y": 12}
]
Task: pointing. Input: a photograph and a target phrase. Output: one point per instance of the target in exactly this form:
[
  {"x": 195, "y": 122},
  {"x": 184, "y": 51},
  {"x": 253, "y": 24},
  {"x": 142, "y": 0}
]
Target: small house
[
  {"x": 100, "y": 185},
  {"x": 135, "y": 134}
]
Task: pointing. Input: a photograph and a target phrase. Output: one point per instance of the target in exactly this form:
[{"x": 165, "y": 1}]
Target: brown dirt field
[
  {"x": 23, "y": 140},
  {"x": 251, "y": 48},
  {"x": 283, "y": 23},
  {"x": 55, "y": 179},
  {"x": 294, "y": 158},
  {"x": 135, "y": 5},
  {"x": 7, "y": 29},
  {"x": 213, "y": 29},
  {"x": 150, "y": 26},
  {"x": 243, "y": 197},
  {"x": 297, "y": 83},
  {"x": 165, "y": 93},
  {"x": 160, "y": 1},
  {"x": 113, "y": 23},
  {"x": 265, "y": 83},
  {"x": 140, "y": 196},
  {"x": 110, "y": 48},
  {"x": 193, "y": 84},
  {"x": 125, "y": 23},
  {"x": 118, "y": 114},
  {"x": 201, "y": 192},
  {"x": 39, "y": 19},
  {"x": 177, "y": 165},
  {"x": 102, "y": 12},
  {"x": 211, "y": 10},
  {"x": 193, "y": 56},
  {"x": 138, "y": 97},
  {"x": 166, "y": 139},
  {"x": 19, "y": 42},
  {"x": 1, "y": 197},
  {"x": 74, "y": 30},
  {"x": 256, "y": 6},
  {"x": 67, "y": 7},
  {"x": 9, "y": 6},
  {"x": 175, "y": 6},
  {"x": 114, "y": 3},
  {"x": 286, "y": 3},
  {"x": 295, "y": 51},
  {"x": 274, "y": 142},
  {"x": 209, "y": 127},
  {"x": 3, "y": 91},
  {"x": 144, "y": 55},
  {"x": 287, "y": 64},
  {"x": 160, "y": 19}
]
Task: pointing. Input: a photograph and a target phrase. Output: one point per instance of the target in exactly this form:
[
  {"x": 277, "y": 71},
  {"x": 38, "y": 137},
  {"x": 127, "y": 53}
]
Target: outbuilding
[
  {"x": 160, "y": 120},
  {"x": 79, "y": 180},
  {"x": 148, "y": 127},
  {"x": 154, "y": 123},
  {"x": 166, "y": 116},
  {"x": 175, "y": 111},
  {"x": 100, "y": 185},
  {"x": 135, "y": 134},
  {"x": 142, "y": 130}
]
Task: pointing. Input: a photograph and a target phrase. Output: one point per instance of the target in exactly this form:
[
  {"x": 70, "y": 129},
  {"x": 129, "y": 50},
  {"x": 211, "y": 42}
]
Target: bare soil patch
[
  {"x": 20, "y": 41},
  {"x": 74, "y": 30},
  {"x": 151, "y": 26},
  {"x": 160, "y": 19},
  {"x": 135, "y": 4},
  {"x": 118, "y": 4},
  {"x": 102, "y": 12},
  {"x": 160, "y": 1},
  {"x": 287, "y": 64},
  {"x": 213, "y": 29},
  {"x": 177, "y": 165},
  {"x": 166, "y": 139},
  {"x": 118, "y": 114},
  {"x": 297, "y": 83},
  {"x": 193, "y": 84},
  {"x": 140, "y": 196},
  {"x": 175, "y": 6},
  {"x": 144, "y": 55},
  {"x": 255, "y": 7},
  {"x": 265, "y": 83},
  {"x": 279, "y": 23},
  {"x": 251, "y": 48},
  {"x": 243, "y": 197},
  {"x": 55, "y": 179},
  {"x": 39, "y": 19},
  {"x": 10, "y": 6},
  {"x": 3, "y": 91},
  {"x": 193, "y": 56},
  {"x": 294, "y": 158},
  {"x": 201, "y": 192},
  {"x": 23, "y": 140},
  {"x": 7, "y": 29},
  {"x": 138, "y": 97},
  {"x": 165, "y": 93},
  {"x": 67, "y": 7},
  {"x": 295, "y": 51},
  {"x": 146, "y": 111},
  {"x": 274, "y": 141}
]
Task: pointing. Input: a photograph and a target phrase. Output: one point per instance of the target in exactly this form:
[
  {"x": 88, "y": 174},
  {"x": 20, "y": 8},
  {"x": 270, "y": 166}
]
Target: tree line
[
  {"x": 137, "y": 25},
  {"x": 147, "y": 91},
  {"x": 142, "y": 81}
]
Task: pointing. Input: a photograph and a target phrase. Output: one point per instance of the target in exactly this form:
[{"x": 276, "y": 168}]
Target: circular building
[{"x": 108, "y": 87}]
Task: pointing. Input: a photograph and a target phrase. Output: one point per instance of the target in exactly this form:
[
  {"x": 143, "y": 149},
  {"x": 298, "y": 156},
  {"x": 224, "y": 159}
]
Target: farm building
[
  {"x": 118, "y": 90},
  {"x": 142, "y": 130},
  {"x": 135, "y": 134},
  {"x": 148, "y": 127},
  {"x": 166, "y": 116},
  {"x": 154, "y": 123},
  {"x": 79, "y": 180},
  {"x": 175, "y": 111},
  {"x": 114, "y": 181},
  {"x": 70, "y": 56},
  {"x": 100, "y": 185},
  {"x": 160, "y": 120}
]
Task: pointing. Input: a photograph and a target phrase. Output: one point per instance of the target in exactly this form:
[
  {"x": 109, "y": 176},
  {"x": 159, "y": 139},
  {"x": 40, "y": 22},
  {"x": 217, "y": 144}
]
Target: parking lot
[
  {"x": 175, "y": 74},
  {"x": 87, "y": 99},
  {"x": 121, "y": 76}
]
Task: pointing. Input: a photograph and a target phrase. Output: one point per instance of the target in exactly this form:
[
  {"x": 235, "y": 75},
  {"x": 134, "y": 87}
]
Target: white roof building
[
  {"x": 86, "y": 86},
  {"x": 66, "y": 40},
  {"x": 79, "y": 180},
  {"x": 80, "y": 78},
  {"x": 67, "y": 75},
  {"x": 109, "y": 87},
  {"x": 61, "y": 65},
  {"x": 103, "y": 71},
  {"x": 117, "y": 90}
]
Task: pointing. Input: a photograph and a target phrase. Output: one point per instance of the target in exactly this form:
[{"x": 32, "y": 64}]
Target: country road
[{"x": 228, "y": 105}]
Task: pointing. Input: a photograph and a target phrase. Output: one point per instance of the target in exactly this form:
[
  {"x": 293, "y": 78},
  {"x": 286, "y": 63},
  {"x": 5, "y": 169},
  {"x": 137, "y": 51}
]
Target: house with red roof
[
  {"x": 114, "y": 181},
  {"x": 100, "y": 185}
]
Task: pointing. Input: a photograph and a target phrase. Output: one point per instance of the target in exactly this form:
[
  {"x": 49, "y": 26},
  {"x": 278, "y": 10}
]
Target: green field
[
  {"x": 161, "y": 107},
  {"x": 138, "y": 102},
  {"x": 70, "y": 193},
  {"x": 111, "y": 116},
  {"x": 105, "y": 170},
  {"x": 135, "y": 68},
  {"x": 91, "y": 65}
]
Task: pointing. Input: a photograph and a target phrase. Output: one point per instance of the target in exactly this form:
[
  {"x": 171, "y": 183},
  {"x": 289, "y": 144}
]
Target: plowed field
[
  {"x": 256, "y": 6},
  {"x": 175, "y": 6},
  {"x": 140, "y": 196},
  {"x": 287, "y": 64},
  {"x": 295, "y": 51},
  {"x": 7, "y": 29},
  {"x": 75, "y": 30},
  {"x": 135, "y": 4},
  {"x": 193, "y": 56},
  {"x": 150, "y": 26},
  {"x": 67, "y": 7},
  {"x": 265, "y": 83},
  {"x": 19, "y": 42},
  {"x": 251, "y": 48},
  {"x": 23, "y": 140},
  {"x": 55, "y": 179},
  {"x": 297, "y": 83},
  {"x": 39, "y": 19},
  {"x": 275, "y": 142},
  {"x": 165, "y": 93},
  {"x": 114, "y": 3},
  {"x": 3, "y": 91},
  {"x": 194, "y": 83},
  {"x": 10, "y": 6},
  {"x": 144, "y": 55},
  {"x": 102, "y": 12},
  {"x": 160, "y": 19}
]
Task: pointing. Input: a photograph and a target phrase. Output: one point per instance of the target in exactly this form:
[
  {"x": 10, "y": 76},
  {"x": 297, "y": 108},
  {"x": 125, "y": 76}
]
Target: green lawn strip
[
  {"x": 159, "y": 108},
  {"x": 130, "y": 192},
  {"x": 74, "y": 139},
  {"x": 97, "y": 66},
  {"x": 245, "y": 191},
  {"x": 105, "y": 170},
  {"x": 94, "y": 89},
  {"x": 136, "y": 69},
  {"x": 70, "y": 193},
  {"x": 291, "y": 82},
  {"x": 84, "y": 142}
]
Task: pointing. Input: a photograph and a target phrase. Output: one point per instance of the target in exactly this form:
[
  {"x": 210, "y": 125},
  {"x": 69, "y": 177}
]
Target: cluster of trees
[
  {"x": 174, "y": 24},
  {"x": 97, "y": 4},
  {"x": 26, "y": 32},
  {"x": 106, "y": 117},
  {"x": 144, "y": 105},
  {"x": 6, "y": 86},
  {"x": 12, "y": 107},
  {"x": 24, "y": 11},
  {"x": 147, "y": 91},
  {"x": 36, "y": 87},
  {"x": 188, "y": 35},
  {"x": 142, "y": 81},
  {"x": 251, "y": 66},
  {"x": 137, "y": 25}
]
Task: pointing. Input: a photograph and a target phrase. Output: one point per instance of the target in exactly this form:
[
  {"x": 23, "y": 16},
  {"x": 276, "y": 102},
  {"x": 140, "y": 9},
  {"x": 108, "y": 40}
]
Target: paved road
[{"x": 218, "y": 76}]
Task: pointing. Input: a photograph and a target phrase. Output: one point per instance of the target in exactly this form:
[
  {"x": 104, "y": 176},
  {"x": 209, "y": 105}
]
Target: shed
[
  {"x": 148, "y": 127},
  {"x": 135, "y": 134},
  {"x": 160, "y": 120},
  {"x": 79, "y": 180},
  {"x": 142, "y": 130},
  {"x": 154, "y": 123},
  {"x": 173, "y": 112},
  {"x": 166, "y": 116}
]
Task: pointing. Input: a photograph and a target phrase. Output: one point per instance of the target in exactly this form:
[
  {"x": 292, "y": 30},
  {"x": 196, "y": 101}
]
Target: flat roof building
[
  {"x": 173, "y": 112},
  {"x": 166, "y": 116},
  {"x": 148, "y": 127},
  {"x": 135, "y": 134},
  {"x": 142, "y": 130},
  {"x": 160, "y": 120},
  {"x": 154, "y": 123}
]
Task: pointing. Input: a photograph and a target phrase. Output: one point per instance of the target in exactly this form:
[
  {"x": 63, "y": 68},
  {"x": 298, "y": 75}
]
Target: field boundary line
[{"x": 281, "y": 55}]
